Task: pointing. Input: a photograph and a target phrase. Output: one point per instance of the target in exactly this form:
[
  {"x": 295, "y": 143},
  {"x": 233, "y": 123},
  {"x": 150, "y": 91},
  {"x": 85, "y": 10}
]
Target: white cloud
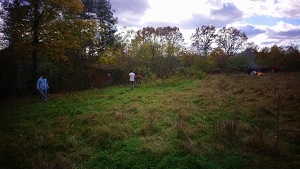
[
  {"x": 272, "y": 8},
  {"x": 173, "y": 11},
  {"x": 282, "y": 26},
  {"x": 190, "y": 14}
]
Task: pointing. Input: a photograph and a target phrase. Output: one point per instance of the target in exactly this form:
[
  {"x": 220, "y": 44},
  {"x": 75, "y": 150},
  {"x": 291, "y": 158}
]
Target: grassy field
[{"x": 219, "y": 121}]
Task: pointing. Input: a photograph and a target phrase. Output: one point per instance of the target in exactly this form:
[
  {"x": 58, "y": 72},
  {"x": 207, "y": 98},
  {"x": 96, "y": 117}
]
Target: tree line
[{"x": 65, "y": 38}]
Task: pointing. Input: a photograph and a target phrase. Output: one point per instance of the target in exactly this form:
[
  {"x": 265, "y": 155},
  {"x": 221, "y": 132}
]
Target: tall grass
[{"x": 219, "y": 121}]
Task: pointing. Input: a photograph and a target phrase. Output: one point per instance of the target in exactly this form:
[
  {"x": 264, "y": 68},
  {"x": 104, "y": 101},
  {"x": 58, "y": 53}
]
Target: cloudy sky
[{"x": 266, "y": 22}]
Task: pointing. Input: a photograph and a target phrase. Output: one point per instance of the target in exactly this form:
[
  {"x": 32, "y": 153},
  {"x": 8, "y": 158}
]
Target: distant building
[{"x": 103, "y": 76}]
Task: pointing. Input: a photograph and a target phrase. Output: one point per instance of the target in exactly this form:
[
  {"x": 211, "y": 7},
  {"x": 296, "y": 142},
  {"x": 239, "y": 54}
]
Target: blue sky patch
[{"x": 270, "y": 21}]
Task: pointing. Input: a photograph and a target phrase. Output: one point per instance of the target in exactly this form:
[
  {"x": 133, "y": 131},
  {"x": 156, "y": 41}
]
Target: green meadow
[{"x": 217, "y": 121}]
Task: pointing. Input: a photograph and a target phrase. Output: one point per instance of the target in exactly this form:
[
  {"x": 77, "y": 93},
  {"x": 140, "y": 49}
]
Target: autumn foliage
[{"x": 64, "y": 39}]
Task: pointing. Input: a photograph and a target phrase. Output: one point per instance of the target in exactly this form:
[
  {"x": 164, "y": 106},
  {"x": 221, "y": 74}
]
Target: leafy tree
[
  {"x": 149, "y": 36},
  {"x": 160, "y": 47},
  {"x": 263, "y": 56},
  {"x": 173, "y": 40},
  {"x": 238, "y": 63},
  {"x": 203, "y": 38},
  {"x": 219, "y": 58},
  {"x": 276, "y": 55},
  {"x": 163, "y": 41},
  {"x": 31, "y": 27},
  {"x": 270, "y": 56},
  {"x": 101, "y": 12},
  {"x": 252, "y": 47},
  {"x": 231, "y": 40},
  {"x": 284, "y": 58},
  {"x": 45, "y": 32},
  {"x": 16, "y": 26},
  {"x": 292, "y": 57}
]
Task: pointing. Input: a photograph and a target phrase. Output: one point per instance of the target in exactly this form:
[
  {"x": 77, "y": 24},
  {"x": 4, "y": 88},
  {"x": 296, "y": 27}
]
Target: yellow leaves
[
  {"x": 108, "y": 57},
  {"x": 218, "y": 57},
  {"x": 63, "y": 38},
  {"x": 218, "y": 52}
]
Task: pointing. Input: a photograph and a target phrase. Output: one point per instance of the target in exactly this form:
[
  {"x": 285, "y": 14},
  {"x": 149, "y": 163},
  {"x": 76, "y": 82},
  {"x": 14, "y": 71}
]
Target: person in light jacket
[
  {"x": 131, "y": 79},
  {"x": 42, "y": 86}
]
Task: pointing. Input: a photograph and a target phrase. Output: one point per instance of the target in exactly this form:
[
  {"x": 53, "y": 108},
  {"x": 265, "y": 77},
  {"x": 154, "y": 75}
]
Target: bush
[{"x": 191, "y": 73}]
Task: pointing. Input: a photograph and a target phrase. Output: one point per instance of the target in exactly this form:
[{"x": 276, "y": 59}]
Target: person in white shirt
[{"x": 131, "y": 79}]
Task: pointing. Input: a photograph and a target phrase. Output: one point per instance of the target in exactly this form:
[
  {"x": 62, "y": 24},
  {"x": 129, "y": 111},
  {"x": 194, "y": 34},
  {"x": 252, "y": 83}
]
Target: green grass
[{"x": 220, "y": 121}]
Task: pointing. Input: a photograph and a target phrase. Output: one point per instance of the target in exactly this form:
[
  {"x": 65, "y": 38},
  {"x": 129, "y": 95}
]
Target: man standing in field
[
  {"x": 131, "y": 79},
  {"x": 42, "y": 86}
]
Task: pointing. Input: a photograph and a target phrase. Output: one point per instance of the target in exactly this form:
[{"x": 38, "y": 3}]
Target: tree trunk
[{"x": 35, "y": 41}]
